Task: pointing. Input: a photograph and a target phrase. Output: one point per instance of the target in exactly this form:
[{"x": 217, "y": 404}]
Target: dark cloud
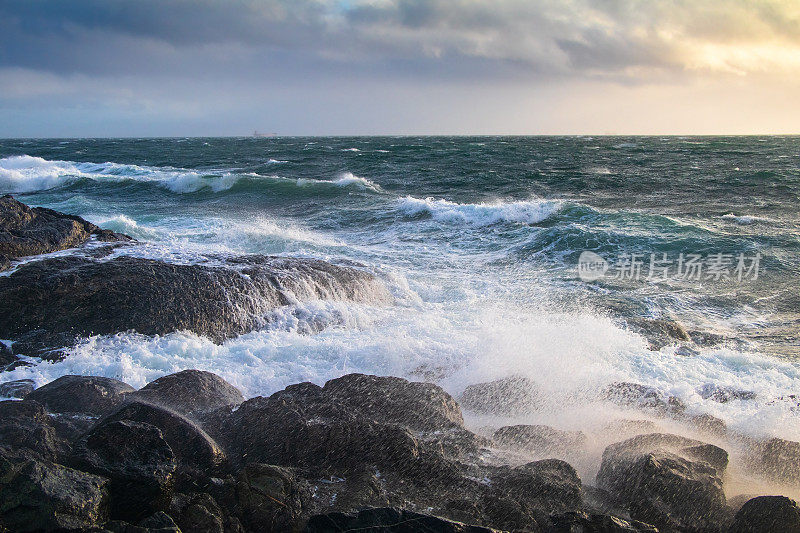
[{"x": 430, "y": 37}]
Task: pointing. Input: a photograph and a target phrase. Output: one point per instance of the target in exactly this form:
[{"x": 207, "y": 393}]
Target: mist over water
[{"x": 478, "y": 241}]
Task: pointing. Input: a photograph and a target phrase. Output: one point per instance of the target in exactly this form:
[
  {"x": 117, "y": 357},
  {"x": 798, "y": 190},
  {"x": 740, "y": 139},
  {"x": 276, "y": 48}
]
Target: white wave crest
[
  {"x": 481, "y": 214},
  {"x": 346, "y": 179},
  {"x": 744, "y": 220},
  {"x": 24, "y": 173}
]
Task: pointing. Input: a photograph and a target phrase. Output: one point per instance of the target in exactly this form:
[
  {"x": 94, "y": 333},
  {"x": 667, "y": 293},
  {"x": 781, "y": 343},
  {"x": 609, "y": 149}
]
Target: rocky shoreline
[{"x": 187, "y": 452}]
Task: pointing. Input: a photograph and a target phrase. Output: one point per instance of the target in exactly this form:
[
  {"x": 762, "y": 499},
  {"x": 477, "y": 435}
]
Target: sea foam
[{"x": 480, "y": 214}]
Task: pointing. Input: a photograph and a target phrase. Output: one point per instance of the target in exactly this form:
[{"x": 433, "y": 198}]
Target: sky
[{"x": 94, "y": 68}]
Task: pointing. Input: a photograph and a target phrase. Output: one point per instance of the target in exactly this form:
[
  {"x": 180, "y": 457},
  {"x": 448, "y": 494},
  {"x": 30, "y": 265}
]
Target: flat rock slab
[
  {"x": 54, "y": 301},
  {"x": 35, "y": 230}
]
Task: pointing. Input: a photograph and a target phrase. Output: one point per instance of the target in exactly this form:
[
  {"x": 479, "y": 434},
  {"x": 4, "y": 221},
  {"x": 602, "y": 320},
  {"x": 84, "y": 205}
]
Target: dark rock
[
  {"x": 138, "y": 461},
  {"x": 92, "y": 395},
  {"x": 26, "y": 424},
  {"x": 71, "y": 297},
  {"x": 781, "y": 460},
  {"x": 37, "y": 495},
  {"x": 352, "y": 422},
  {"x": 642, "y": 397},
  {"x": 708, "y": 424},
  {"x": 191, "y": 445},
  {"x": 413, "y": 404},
  {"x": 624, "y": 428},
  {"x": 275, "y": 432},
  {"x": 71, "y": 426},
  {"x": 387, "y": 520},
  {"x": 541, "y": 440},
  {"x": 507, "y": 396},
  {"x": 190, "y": 391},
  {"x": 200, "y": 513},
  {"x": 578, "y": 521},
  {"x": 33, "y": 231},
  {"x": 767, "y": 514},
  {"x": 666, "y": 480},
  {"x": 720, "y": 394},
  {"x": 544, "y": 487},
  {"x": 5, "y": 263},
  {"x": 16, "y": 389},
  {"x": 659, "y": 332},
  {"x": 270, "y": 498}
]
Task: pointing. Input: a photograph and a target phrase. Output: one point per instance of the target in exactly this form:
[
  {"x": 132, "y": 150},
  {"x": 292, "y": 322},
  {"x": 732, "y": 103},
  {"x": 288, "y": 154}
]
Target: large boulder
[
  {"x": 780, "y": 459},
  {"x": 388, "y": 520},
  {"x": 193, "y": 447},
  {"x": 189, "y": 392},
  {"x": 137, "y": 460},
  {"x": 666, "y": 480},
  {"x": 767, "y": 514},
  {"x": 542, "y": 487},
  {"x": 540, "y": 440},
  {"x": 50, "y": 303},
  {"x": 417, "y": 405},
  {"x": 35, "y": 230},
  {"x": 92, "y": 395},
  {"x": 507, "y": 396},
  {"x": 38, "y": 495},
  {"x": 25, "y": 424}
]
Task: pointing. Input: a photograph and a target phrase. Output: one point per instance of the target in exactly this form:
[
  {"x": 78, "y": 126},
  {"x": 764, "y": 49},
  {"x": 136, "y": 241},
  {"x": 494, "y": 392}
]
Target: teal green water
[{"x": 478, "y": 238}]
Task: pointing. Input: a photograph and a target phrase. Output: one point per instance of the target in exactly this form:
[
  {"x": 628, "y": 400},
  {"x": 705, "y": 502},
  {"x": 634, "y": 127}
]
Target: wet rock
[
  {"x": 578, "y": 521},
  {"x": 16, "y": 389},
  {"x": 642, "y": 397},
  {"x": 541, "y": 440},
  {"x": 25, "y": 424},
  {"x": 71, "y": 426},
  {"x": 192, "y": 446},
  {"x": 781, "y": 460},
  {"x": 189, "y": 392},
  {"x": 708, "y": 424},
  {"x": 767, "y": 514},
  {"x": 270, "y": 498},
  {"x": 35, "y": 230},
  {"x": 507, "y": 396},
  {"x": 200, "y": 513},
  {"x": 351, "y": 423},
  {"x": 659, "y": 332},
  {"x": 666, "y": 480},
  {"x": 387, "y": 519},
  {"x": 81, "y": 394},
  {"x": 722, "y": 394},
  {"x": 137, "y": 460},
  {"x": 413, "y": 404},
  {"x": 543, "y": 487},
  {"x": 275, "y": 431},
  {"x": 61, "y": 299},
  {"x": 624, "y": 428},
  {"x": 38, "y": 495}
]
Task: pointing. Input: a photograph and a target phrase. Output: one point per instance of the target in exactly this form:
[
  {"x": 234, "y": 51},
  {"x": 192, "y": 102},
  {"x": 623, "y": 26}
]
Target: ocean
[{"x": 479, "y": 241}]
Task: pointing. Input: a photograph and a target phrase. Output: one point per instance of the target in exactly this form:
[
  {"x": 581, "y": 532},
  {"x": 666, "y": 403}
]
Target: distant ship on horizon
[{"x": 256, "y": 133}]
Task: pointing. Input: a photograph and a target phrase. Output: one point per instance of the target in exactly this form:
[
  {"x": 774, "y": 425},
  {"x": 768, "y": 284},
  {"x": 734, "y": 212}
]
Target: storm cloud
[{"x": 102, "y": 48}]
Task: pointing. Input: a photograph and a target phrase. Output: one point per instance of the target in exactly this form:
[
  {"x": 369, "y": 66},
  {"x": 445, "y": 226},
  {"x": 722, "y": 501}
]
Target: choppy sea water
[{"x": 478, "y": 239}]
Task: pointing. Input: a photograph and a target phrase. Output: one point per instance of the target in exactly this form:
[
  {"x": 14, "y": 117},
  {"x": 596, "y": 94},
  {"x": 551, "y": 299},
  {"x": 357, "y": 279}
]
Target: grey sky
[{"x": 213, "y": 67}]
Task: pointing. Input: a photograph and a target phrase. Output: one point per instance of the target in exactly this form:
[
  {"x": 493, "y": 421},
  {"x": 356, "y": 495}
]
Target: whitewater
[{"x": 478, "y": 243}]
